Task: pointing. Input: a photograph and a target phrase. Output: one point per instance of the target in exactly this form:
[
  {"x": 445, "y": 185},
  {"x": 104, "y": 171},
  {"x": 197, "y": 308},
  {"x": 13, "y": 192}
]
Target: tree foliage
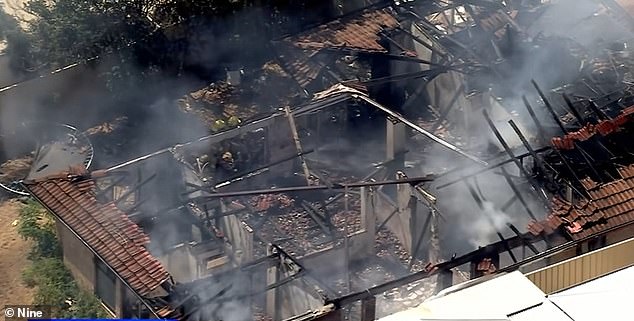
[
  {"x": 48, "y": 274},
  {"x": 37, "y": 226}
]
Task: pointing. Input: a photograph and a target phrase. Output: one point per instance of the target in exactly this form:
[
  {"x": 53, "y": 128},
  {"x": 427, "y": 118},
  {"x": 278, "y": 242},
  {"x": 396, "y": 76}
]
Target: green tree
[{"x": 37, "y": 226}]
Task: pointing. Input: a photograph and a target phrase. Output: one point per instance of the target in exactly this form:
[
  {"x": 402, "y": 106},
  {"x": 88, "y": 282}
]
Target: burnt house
[{"x": 325, "y": 201}]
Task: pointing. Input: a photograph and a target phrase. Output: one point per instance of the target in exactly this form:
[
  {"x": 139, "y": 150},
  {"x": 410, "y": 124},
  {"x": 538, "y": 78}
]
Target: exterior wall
[
  {"x": 583, "y": 268},
  {"x": 241, "y": 237},
  {"x": 78, "y": 258},
  {"x": 181, "y": 264},
  {"x": 81, "y": 262},
  {"x": 399, "y": 224},
  {"x": 619, "y": 235}
]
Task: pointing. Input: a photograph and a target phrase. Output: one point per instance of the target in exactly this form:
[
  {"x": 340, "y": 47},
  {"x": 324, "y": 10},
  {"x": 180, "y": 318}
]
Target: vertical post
[
  {"x": 368, "y": 309},
  {"x": 272, "y": 297},
  {"x": 298, "y": 145},
  {"x": 512, "y": 156},
  {"x": 368, "y": 218},
  {"x": 434, "y": 248},
  {"x": 395, "y": 141},
  {"x": 444, "y": 280}
]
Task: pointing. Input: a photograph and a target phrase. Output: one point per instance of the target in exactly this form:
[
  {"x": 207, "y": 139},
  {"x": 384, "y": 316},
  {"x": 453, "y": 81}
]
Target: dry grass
[{"x": 13, "y": 253}]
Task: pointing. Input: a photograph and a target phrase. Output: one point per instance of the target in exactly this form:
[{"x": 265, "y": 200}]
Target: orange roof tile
[
  {"x": 359, "y": 32},
  {"x": 603, "y": 128},
  {"x": 612, "y": 204},
  {"x": 105, "y": 228}
]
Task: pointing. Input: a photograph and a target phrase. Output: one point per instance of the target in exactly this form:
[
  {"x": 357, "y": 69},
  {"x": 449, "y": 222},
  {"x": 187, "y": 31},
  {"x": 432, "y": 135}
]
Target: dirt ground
[
  {"x": 13, "y": 250},
  {"x": 16, "y": 9}
]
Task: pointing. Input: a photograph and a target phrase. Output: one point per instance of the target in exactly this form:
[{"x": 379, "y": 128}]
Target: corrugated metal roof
[
  {"x": 494, "y": 299},
  {"x": 106, "y": 229},
  {"x": 514, "y": 297},
  {"x": 612, "y": 205},
  {"x": 606, "y": 298}
]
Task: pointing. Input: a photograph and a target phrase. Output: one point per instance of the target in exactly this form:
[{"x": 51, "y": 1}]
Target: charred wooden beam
[
  {"x": 317, "y": 219},
  {"x": 517, "y": 193},
  {"x": 508, "y": 203},
  {"x": 528, "y": 244},
  {"x": 486, "y": 169},
  {"x": 512, "y": 242},
  {"x": 385, "y": 36},
  {"x": 527, "y": 145},
  {"x": 298, "y": 144},
  {"x": 427, "y": 74},
  {"x": 106, "y": 189},
  {"x": 541, "y": 133},
  {"x": 422, "y": 43},
  {"x": 420, "y": 89},
  {"x": 542, "y": 136},
  {"x": 417, "y": 128},
  {"x": 314, "y": 188},
  {"x": 387, "y": 219},
  {"x": 511, "y": 155},
  {"x": 239, "y": 176},
  {"x": 480, "y": 203},
  {"x": 550, "y": 107},
  {"x": 380, "y": 168},
  {"x": 600, "y": 113},
  {"x": 134, "y": 189},
  {"x": 419, "y": 242},
  {"x": 445, "y": 111},
  {"x": 573, "y": 110}
]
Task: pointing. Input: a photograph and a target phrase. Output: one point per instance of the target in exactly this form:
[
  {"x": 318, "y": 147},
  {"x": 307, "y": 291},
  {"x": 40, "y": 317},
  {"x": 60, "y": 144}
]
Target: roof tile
[
  {"x": 103, "y": 227},
  {"x": 612, "y": 204}
]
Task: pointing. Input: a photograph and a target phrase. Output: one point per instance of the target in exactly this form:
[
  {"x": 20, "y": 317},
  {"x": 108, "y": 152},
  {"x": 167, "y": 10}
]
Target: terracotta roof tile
[
  {"x": 359, "y": 32},
  {"x": 603, "y": 128},
  {"x": 612, "y": 204},
  {"x": 298, "y": 63},
  {"x": 105, "y": 228}
]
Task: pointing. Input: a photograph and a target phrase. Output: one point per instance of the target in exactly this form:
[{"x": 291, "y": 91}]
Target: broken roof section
[
  {"x": 357, "y": 32},
  {"x": 612, "y": 205},
  {"x": 257, "y": 92},
  {"x": 604, "y": 128},
  {"x": 103, "y": 227}
]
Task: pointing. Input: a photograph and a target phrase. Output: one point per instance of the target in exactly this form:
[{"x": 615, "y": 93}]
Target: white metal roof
[
  {"x": 514, "y": 297},
  {"x": 606, "y": 298},
  {"x": 494, "y": 299}
]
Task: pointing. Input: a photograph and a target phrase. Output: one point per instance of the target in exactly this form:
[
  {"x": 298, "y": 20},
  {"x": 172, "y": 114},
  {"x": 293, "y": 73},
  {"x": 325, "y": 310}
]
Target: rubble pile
[
  {"x": 387, "y": 245},
  {"x": 15, "y": 169},
  {"x": 259, "y": 92}
]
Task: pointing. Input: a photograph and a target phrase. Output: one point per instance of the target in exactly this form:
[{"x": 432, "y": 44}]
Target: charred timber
[
  {"x": 512, "y": 156},
  {"x": 445, "y": 111},
  {"x": 574, "y": 110},
  {"x": 314, "y": 188},
  {"x": 488, "y": 168},
  {"x": 479, "y": 201},
  {"x": 542, "y": 136},
  {"x": 528, "y": 244},
  {"x": 550, "y": 107},
  {"x": 134, "y": 189}
]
